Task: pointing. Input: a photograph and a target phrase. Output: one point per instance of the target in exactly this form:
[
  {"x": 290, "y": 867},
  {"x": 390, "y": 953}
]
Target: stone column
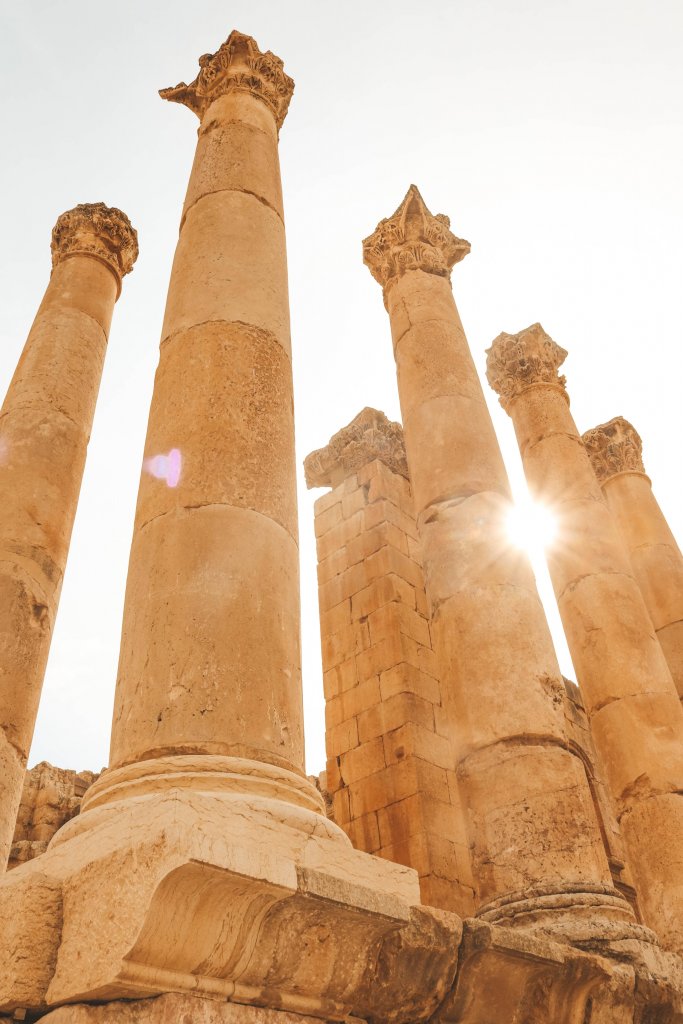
[
  {"x": 45, "y": 425},
  {"x": 210, "y": 661},
  {"x": 533, "y": 831},
  {"x": 635, "y": 714},
  {"x": 615, "y": 451}
]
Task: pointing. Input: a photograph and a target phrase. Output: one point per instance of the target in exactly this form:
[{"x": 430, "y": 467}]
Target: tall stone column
[
  {"x": 616, "y": 454},
  {"x": 635, "y": 714},
  {"x": 45, "y": 425},
  {"x": 533, "y": 831},
  {"x": 210, "y": 660}
]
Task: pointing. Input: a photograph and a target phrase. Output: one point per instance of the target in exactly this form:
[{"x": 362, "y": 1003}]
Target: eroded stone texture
[
  {"x": 635, "y": 715},
  {"x": 45, "y": 424},
  {"x": 579, "y": 735},
  {"x": 369, "y": 436},
  {"x": 390, "y": 768},
  {"x": 529, "y": 809},
  {"x": 615, "y": 451},
  {"x": 174, "y": 1009},
  {"x": 50, "y": 797}
]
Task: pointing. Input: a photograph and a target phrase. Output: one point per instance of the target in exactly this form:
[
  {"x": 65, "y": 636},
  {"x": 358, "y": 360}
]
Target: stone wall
[
  {"x": 50, "y": 797},
  {"x": 390, "y": 764}
]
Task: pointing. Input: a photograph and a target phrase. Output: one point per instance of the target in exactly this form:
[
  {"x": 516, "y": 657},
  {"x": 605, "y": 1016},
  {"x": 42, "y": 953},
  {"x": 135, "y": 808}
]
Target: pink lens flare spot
[
  {"x": 166, "y": 467},
  {"x": 174, "y": 466}
]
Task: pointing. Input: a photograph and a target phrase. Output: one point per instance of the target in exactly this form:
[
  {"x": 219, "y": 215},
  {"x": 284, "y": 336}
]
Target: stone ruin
[{"x": 490, "y": 843}]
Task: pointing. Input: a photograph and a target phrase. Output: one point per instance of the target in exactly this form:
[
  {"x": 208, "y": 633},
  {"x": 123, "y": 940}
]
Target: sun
[{"x": 531, "y": 526}]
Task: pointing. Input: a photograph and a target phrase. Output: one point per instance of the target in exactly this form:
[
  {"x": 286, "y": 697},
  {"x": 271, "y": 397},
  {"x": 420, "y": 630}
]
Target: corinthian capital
[
  {"x": 367, "y": 437},
  {"x": 103, "y": 232},
  {"x": 614, "y": 447},
  {"x": 516, "y": 362},
  {"x": 412, "y": 239},
  {"x": 238, "y": 66}
]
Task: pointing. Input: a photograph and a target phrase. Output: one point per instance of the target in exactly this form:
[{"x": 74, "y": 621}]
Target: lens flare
[
  {"x": 166, "y": 467},
  {"x": 531, "y": 527}
]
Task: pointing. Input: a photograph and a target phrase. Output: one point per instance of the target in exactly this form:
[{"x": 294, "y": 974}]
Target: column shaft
[
  {"x": 210, "y": 660},
  {"x": 45, "y": 425},
  {"x": 615, "y": 450},
  {"x": 635, "y": 714},
  {"x": 530, "y": 810}
]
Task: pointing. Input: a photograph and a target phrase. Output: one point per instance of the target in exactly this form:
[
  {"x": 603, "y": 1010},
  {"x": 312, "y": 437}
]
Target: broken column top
[
  {"x": 370, "y": 435},
  {"x": 614, "y": 447},
  {"x": 515, "y": 362},
  {"x": 102, "y": 232},
  {"x": 412, "y": 239},
  {"x": 237, "y": 66}
]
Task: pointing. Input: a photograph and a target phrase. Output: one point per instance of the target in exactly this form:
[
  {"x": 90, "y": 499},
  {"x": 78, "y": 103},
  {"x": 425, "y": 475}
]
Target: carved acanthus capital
[
  {"x": 412, "y": 239},
  {"x": 238, "y": 66},
  {"x": 614, "y": 447},
  {"x": 368, "y": 437},
  {"x": 516, "y": 362},
  {"x": 103, "y": 232}
]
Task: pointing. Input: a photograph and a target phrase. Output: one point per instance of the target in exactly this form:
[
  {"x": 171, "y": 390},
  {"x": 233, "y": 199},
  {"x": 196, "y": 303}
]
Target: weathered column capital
[
  {"x": 99, "y": 231},
  {"x": 367, "y": 437},
  {"x": 238, "y": 66},
  {"x": 614, "y": 447},
  {"x": 412, "y": 239},
  {"x": 516, "y": 362}
]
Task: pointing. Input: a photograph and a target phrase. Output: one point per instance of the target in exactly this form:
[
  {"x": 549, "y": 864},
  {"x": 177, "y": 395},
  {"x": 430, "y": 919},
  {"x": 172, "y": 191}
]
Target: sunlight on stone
[{"x": 531, "y": 526}]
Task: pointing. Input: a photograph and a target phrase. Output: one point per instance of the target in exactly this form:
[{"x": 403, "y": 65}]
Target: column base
[
  {"x": 570, "y": 912},
  {"x": 217, "y": 876}
]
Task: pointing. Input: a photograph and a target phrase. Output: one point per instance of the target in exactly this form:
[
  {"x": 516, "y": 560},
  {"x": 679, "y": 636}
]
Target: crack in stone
[
  {"x": 242, "y": 191},
  {"x": 215, "y": 504},
  {"x": 262, "y": 332},
  {"x": 573, "y": 584}
]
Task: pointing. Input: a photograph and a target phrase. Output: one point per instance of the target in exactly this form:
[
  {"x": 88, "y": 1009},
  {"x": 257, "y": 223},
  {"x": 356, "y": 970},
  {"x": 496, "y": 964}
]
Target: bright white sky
[{"x": 550, "y": 133}]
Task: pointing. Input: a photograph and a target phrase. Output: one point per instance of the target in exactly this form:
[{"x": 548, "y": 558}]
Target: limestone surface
[
  {"x": 529, "y": 812},
  {"x": 390, "y": 767},
  {"x": 635, "y": 714},
  {"x": 615, "y": 451},
  {"x": 45, "y": 424},
  {"x": 50, "y": 797}
]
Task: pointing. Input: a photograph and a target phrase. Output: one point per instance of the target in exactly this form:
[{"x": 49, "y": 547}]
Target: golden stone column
[
  {"x": 210, "y": 661},
  {"x": 45, "y": 425},
  {"x": 615, "y": 451},
  {"x": 533, "y": 830},
  {"x": 635, "y": 715}
]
